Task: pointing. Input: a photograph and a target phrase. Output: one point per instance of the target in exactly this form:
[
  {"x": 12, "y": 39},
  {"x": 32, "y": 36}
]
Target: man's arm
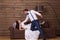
[
  {"x": 39, "y": 14},
  {"x": 25, "y": 19}
]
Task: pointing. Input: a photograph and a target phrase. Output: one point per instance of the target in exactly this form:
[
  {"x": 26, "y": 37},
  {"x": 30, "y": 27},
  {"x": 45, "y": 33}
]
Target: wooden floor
[{"x": 8, "y": 38}]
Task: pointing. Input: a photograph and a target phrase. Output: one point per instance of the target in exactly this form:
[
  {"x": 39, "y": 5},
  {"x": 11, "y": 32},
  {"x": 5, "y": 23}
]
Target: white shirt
[{"x": 33, "y": 14}]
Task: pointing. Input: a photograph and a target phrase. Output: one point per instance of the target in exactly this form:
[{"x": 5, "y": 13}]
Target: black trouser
[{"x": 36, "y": 26}]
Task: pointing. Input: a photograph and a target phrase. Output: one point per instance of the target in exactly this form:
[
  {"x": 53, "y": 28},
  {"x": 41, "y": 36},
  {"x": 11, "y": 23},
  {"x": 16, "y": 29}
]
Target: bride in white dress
[{"x": 29, "y": 35}]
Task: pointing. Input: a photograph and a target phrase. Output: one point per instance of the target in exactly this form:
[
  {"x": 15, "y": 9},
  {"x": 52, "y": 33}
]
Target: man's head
[{"x": 25, "y": 11}]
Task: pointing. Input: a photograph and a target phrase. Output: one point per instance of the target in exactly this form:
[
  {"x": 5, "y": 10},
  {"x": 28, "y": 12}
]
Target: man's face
[{"x": 25, "y": 12}]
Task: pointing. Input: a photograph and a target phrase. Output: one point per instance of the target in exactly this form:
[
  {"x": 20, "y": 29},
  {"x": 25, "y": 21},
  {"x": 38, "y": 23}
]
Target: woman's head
[{"x": 17, "y": 24}]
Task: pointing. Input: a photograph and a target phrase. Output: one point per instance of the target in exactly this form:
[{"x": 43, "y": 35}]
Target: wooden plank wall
[{"x": 11, "y": 10}]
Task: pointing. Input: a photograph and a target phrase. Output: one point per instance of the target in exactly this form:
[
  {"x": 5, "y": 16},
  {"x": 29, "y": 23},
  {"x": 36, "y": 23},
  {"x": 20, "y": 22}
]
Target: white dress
[{"x": 30, "y": 35}]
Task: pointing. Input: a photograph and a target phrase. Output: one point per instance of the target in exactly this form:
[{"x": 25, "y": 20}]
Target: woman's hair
[{"x": 17, "y": 25}]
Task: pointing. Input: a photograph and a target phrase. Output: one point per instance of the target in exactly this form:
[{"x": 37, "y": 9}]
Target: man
[{"x": 32, "y": 15}]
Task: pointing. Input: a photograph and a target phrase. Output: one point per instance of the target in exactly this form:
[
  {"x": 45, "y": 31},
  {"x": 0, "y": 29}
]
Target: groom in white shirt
[{"x": 32, "y": 15}]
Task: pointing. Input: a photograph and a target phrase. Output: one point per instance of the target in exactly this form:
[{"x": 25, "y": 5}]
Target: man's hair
[{"x": 25, "y": 9}]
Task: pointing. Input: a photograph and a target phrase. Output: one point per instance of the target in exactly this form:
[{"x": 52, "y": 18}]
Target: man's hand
[{"x": 42, "y": 23}]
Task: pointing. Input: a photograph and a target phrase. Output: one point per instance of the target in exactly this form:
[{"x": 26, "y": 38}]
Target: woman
[{"x": 29, "y": 35}]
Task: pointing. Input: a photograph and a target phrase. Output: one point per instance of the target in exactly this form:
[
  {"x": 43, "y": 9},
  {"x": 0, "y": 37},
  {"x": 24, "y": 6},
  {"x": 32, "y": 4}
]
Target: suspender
[{"x": 31, "y": 15}]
